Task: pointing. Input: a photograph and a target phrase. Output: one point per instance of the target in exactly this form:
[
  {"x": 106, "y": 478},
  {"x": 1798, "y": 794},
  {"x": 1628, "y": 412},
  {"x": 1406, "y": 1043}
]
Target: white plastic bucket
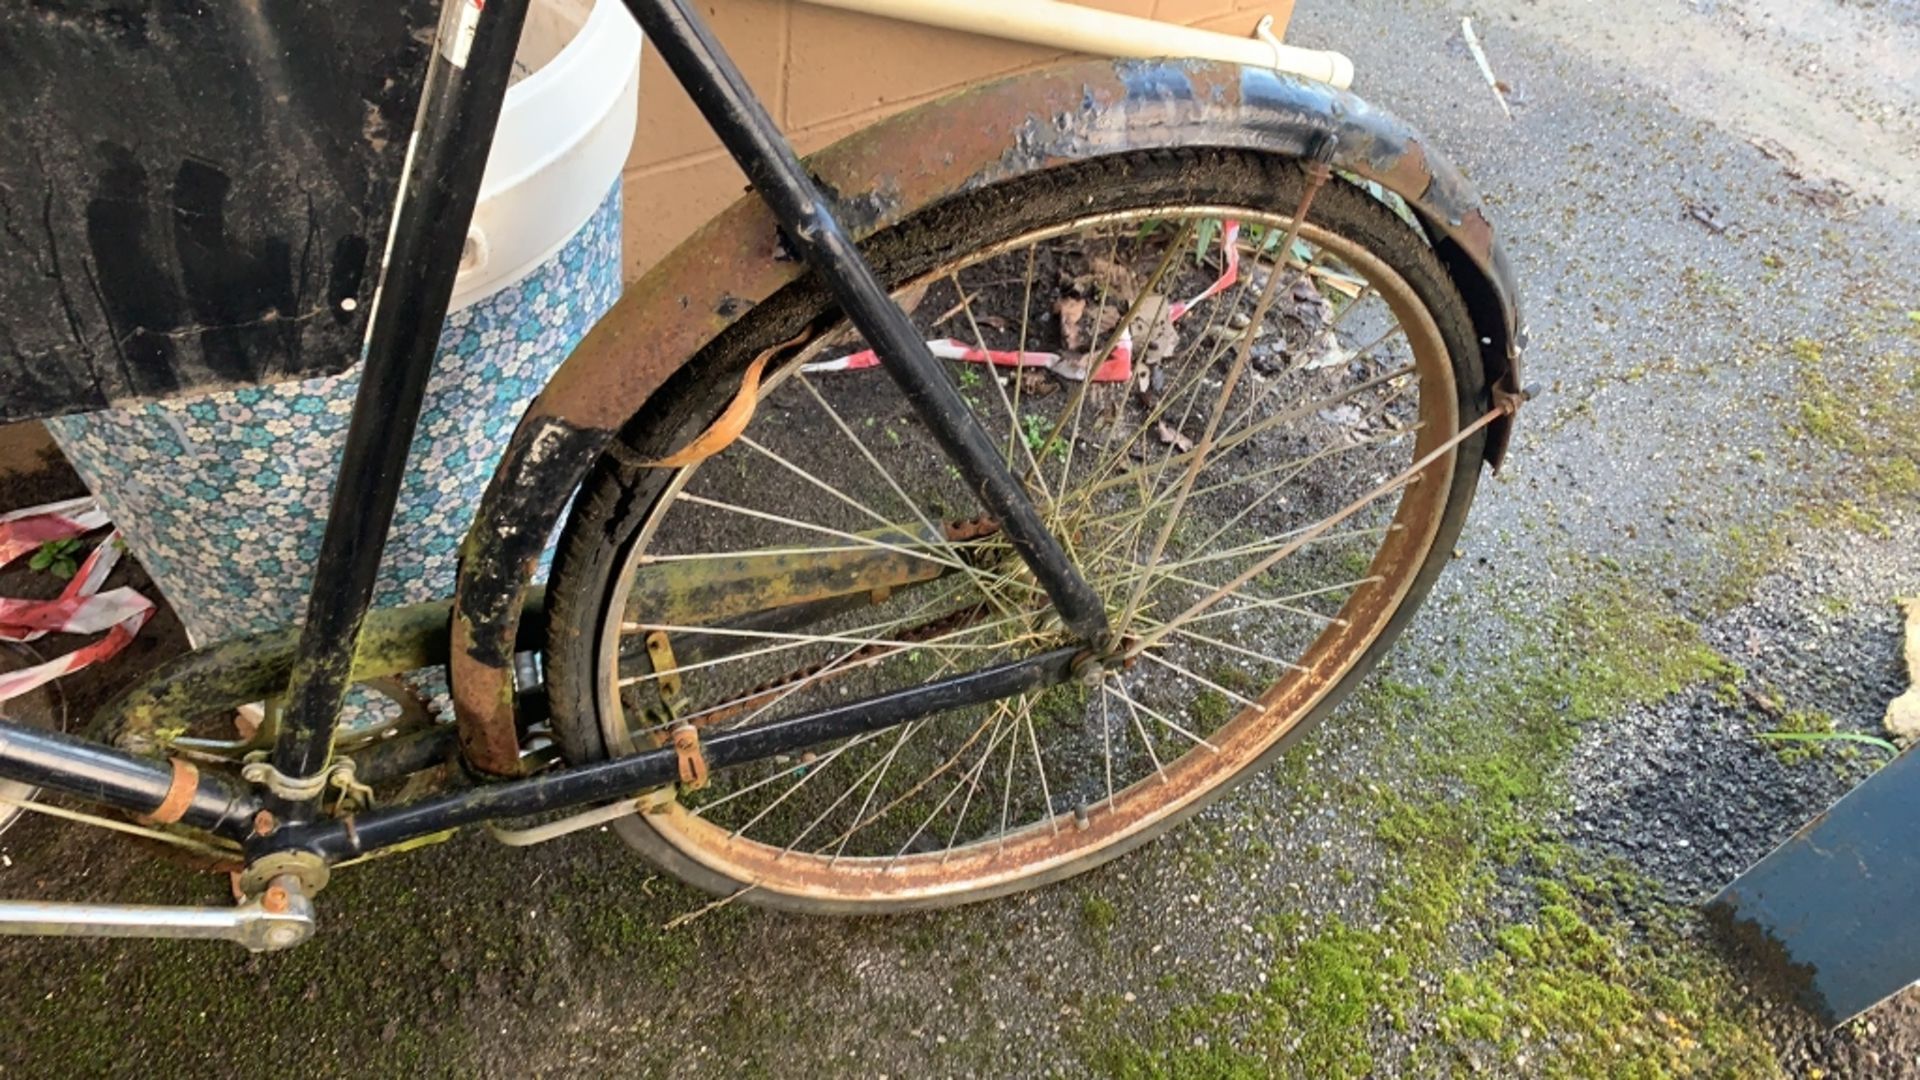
[
  {"x": 564, "y": 133},
  {"x": 224, "y": 497}
]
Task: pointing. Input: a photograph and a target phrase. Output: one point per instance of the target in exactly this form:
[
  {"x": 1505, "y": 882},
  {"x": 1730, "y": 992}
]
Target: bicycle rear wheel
[{"x": 1212, "y": 485}]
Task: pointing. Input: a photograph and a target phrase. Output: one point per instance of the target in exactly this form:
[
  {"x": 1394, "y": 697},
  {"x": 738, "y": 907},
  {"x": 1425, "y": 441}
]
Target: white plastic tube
[{"x": 1104, "y": 33}]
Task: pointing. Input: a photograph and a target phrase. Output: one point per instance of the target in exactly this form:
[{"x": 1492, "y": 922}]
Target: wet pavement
[{"x": 1710, "y": 206}]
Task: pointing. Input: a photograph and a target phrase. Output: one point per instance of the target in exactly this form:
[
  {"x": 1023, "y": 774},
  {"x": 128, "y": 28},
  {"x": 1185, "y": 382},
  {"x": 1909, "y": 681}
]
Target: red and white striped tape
[
  {"x": 81, "y": 608},
  {"x": 22, "y": 531},
  {"x": 1117, "y": 367}
]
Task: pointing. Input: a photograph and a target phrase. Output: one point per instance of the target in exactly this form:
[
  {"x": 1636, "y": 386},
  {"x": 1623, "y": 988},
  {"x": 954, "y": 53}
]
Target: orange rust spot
[
  {"x": 483, "y": 707},
  {"x": 186, "y": 781},
  {"x": 1410, "y": 175}
]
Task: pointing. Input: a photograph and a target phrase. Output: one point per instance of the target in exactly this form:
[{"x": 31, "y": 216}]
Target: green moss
[
  {"x": 1517, "y": 942},
  {"x": 1610, "y": 1005},
  {"x": 1863, "y": 408},
  {"x": 1629, "y": 648},
  {"x": 1059, "y": 708},
  {"x": 1801, "y": 722},
  {"x": 1234, "y": 678},
  {"x": 1210, "y": 709},
  {"x": 1354, "y": 563},
  {"x": 1743, "y": 555},
  {"x": 1578, "y": 995},
  {"x": 1098, "y": 913},
  {"x": 1849, "y": 514}
]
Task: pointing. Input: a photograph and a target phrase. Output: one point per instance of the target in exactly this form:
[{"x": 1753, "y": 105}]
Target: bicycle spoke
[
  {"x": 1039, "y": 766},
  {"x": 886, "y": 764},
  {"x": 782, "y": 461},
  {"x": 1201, "y": 679},
  {"x": 1139, "y": 727},
  {"x": 966, "y": 778},
  {"x": 815, "y": 768},
  {"x": 1157, "y": 715},
  {"x": 1230, "y": 441},
  {"x": 902, "y": 734},
  {"x": 794, "y": 641},
  {"x": 1033, "y": 474},
  {"x": 1005, "y": 711},
  {"x": 887, "y": 475},
  {"x": 1385, "y": 488},
  {"x": 853, "y": 538}
]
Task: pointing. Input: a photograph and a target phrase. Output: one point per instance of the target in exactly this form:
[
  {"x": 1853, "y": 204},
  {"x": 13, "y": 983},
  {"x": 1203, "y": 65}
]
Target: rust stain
[{"x": 483, "y": 703}]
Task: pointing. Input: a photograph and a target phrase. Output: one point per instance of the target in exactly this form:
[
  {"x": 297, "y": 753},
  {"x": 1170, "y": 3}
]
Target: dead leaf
[
  {"x": 1117, "y": 279},
  {"x": 1153, "y": 325},
  {"x": 1311, "y": 308},
  {"x": 1071, "y": 310},
  {"x": 1149, "y": 382},
  {"x": 1774, "y": 149},
  {"x": 1833, "y": 196},
  {"x": 1324, "y": 351},
  {"x": 1344, "y": 415},
  {"x": 1169, "y": 436},
  {"x": 1035, "y": 383},
  {"x": 1706, "y": 215},
  {"x": 1346, "y": 286}
]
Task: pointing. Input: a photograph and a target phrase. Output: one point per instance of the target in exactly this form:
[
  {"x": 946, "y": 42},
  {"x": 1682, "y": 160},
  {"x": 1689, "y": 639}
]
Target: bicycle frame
[
  {"x": 279, "y": 818},
  {"x": 462, "y": 102}
]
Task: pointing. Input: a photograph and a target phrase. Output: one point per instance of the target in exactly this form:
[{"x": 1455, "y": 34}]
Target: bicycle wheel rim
[{"x": 1044, "y": 848}]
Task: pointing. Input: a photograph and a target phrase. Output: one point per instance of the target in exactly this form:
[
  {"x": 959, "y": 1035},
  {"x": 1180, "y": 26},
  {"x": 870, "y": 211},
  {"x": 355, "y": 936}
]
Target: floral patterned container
[{"x": 224, "y": 498}]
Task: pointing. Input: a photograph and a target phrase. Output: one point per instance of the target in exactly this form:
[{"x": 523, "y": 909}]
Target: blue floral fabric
[{"x": 224, "y": 498}]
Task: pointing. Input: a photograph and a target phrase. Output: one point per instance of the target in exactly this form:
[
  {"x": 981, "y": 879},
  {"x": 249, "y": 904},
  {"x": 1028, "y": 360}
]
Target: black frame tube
[
  {"x": 109, "y": 777},
  {"x": 627, "y": 776},
  {"x": 459, "y": 109},
  {"x": 721, "y": 93}
]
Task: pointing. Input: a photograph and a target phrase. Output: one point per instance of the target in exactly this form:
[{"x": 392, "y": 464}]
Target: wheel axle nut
[{"x": 1089, "y": 669}]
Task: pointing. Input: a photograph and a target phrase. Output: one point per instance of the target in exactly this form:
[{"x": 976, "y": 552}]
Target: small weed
[
  {"x": 1801, "y": 745},
  {"x": 61, "y": 558},
  {"x": 1034, "y": 430},
  {"x": 1204, "y": 233},
  {"x": 1098, "y": 913}
]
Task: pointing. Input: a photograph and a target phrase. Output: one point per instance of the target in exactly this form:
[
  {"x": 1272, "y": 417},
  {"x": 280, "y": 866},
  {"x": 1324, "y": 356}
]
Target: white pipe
[{"x": 1105, "y": 33}]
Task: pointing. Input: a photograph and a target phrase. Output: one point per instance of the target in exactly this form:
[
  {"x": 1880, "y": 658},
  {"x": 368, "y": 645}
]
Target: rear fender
[{"x": 877, "y": 178}]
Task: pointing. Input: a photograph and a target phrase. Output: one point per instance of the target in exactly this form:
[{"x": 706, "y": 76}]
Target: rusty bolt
[
  {"x": 264, "y": 823},
  {"x": 274, "y": 899}
]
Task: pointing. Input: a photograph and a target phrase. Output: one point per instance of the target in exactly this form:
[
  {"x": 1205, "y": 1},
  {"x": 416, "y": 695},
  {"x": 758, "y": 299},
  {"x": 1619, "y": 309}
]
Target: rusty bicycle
[{"x": 967, "y": 505}]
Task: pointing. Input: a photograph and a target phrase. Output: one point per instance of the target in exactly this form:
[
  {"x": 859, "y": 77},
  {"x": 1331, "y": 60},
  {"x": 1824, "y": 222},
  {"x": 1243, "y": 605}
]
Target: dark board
[{"x": 194, "y": 194}]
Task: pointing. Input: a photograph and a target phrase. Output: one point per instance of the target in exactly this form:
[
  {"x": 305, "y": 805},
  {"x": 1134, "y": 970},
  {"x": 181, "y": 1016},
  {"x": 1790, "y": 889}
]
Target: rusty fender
[{"x": 879, "y": 177}]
